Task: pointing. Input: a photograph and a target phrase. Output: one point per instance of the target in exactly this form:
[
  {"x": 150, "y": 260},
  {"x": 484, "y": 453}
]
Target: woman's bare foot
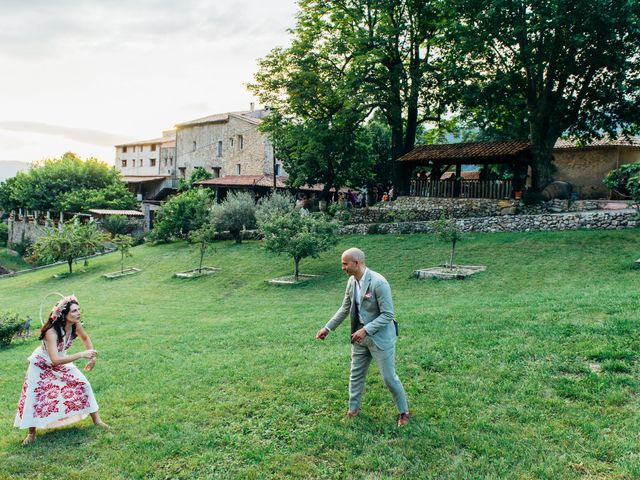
[
  {"x": 102, "y": 425},
  {"x": 30, "y": 438}
]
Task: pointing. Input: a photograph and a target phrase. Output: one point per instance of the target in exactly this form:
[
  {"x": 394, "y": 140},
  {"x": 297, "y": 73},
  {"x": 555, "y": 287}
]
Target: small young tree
[
  {"x": 448, "y": 231},
  {"x": 203, "y": 237},
  {"x": 625, "y": 181},
  {"x": 235, "y": 213},
  {"x": 298, "y": 236},
  {"x": 123, "y": 244},
  {"x": 10, "y": 324},
  {"x": 69, "y": 243}
]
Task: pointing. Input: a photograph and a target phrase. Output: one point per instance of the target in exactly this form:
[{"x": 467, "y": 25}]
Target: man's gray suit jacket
[{"x": 376, "y": 309}]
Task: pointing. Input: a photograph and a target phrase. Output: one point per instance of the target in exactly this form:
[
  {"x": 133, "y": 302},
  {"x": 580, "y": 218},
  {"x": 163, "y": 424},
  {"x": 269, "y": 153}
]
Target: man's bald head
[{"x": 354, "y": 254}]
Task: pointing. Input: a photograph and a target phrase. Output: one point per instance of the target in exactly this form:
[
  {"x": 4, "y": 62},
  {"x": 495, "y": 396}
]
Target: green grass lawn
[{"x": 528, "y": 370}]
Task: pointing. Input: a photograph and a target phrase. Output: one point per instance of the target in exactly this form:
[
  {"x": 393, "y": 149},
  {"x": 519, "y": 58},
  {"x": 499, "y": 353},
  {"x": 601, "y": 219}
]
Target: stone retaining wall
[
  {"x": 423, "y": 209},
  {"x": 601, "y": 220}
]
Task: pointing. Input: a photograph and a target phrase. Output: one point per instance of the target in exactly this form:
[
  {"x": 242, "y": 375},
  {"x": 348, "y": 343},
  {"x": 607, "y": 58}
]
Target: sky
[{"x": 85, "y": 75}]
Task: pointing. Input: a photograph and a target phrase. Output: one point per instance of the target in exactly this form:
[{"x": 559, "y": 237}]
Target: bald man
[{"x": 367, "y": 301}]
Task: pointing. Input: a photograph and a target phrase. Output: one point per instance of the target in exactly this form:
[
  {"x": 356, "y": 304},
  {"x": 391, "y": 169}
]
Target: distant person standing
[{"x": 367, "y": 301}]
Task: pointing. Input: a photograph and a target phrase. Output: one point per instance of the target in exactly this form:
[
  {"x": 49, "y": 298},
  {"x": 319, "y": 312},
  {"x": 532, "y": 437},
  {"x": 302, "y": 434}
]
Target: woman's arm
[
  {"x": 51, "y": 340},
  {"x": 84, "y": 337}
]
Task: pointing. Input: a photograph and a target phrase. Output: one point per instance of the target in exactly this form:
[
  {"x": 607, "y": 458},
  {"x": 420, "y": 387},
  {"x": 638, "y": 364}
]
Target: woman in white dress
[{"x": 55, "y": 392}]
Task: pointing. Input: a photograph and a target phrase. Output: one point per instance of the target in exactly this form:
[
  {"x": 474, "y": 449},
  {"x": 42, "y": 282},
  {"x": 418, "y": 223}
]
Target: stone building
[
  {"x": 148, "y": 157},
  {"x": 225, "y": 144},
  {"x": 584, "y": 167}
]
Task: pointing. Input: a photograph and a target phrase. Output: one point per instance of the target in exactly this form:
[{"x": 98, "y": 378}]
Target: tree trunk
[
  {"x": 122, "y": 261},
  {"x": 296, "y": 270},
  {"x": 202, "y": 249},
  {"x": 70, "y": 262},
  {"x": 541, "y": 162}
]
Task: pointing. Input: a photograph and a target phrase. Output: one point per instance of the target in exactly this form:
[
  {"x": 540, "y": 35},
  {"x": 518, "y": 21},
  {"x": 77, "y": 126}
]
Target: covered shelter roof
[
  {"x": 265, "y": 181},
  {"x": 104, "y": 212},
  {"x": 469, "y": 153},
  {"x": 143, "y": 178}
]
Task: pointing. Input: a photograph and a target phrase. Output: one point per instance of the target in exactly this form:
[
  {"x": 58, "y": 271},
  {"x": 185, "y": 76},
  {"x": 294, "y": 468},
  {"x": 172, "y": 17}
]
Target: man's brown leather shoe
[
  {"x": 352, "y": 413},
  {"x": 403, "y": 419}
]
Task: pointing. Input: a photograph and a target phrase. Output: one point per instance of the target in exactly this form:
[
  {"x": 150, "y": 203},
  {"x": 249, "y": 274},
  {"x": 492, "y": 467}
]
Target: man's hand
[
  {"x": 359, "y": 335},
  {"x": 322, "y": 333}
]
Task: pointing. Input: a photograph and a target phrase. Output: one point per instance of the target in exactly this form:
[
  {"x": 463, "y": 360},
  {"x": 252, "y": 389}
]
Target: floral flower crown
[{"x": 56, "y": 312}]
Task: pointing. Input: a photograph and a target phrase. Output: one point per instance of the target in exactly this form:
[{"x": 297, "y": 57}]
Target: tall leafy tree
[
  {"x": 349, "y": 58},
  {"x": 66, "y": 183},
  {"x": 542, "y": 69},
  {"x": 182, "y": 214}
]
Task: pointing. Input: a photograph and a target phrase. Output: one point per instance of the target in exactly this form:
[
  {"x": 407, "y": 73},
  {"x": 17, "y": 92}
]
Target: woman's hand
[{"x": 90, "y": 354}]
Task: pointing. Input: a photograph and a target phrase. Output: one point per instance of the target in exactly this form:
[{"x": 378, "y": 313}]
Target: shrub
[
  {"x": 625, "y": 181},
  {"x": 182, "y": 214},
  {"x": 118, "y": 225},
  {"x": 9, "y": 325},
  {"x": 4, "y": 233},
  {"x": 235, "y": 213}
]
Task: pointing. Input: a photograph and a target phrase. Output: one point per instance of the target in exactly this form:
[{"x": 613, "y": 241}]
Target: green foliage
[
  {"x": 4, "y": 233},
  {"x": 544, "y": 69},
  {"x": 275, "y": 204},
  {"x": 118, "y": 224},
  {"x": 8, "y": 201},
  {"x": 203, "y": 237},
  {"x": 625, "y": 181},
  {"x": 123, "y": 244},
  {"x": 198, "y": 173},
  {"x": 182, "y": 214},
  {"x": 10, "y": 323},
  {"x": 44, "y": 186},
  {"x": 298, "y": 236},
  {"x": 236, "y": 213},
  {"x": 115, "y": 196},
  {"x": 447, "y": 230},
  {"x": 346, "y": 60},
  {"x": 71, "y": 242}
]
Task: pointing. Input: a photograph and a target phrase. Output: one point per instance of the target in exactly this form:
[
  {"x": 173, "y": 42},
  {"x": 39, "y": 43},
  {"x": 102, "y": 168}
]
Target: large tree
[
  {"x": 544, "y": 69},
  {"x": 66, "y": 183},
  {"x": 351, "y": 57}
]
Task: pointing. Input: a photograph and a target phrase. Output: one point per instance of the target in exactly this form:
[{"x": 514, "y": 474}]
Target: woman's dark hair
[{"x": 58, "y": 323}]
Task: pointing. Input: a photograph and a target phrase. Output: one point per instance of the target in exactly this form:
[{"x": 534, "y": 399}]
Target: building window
[
  {"x": 216, "y": 172},
  {"x": 182, "y": 172},
  {"x": 231, "y": 141},
  {"x": 124, "y": 149},
  {"x": 153, "y": 148},
  {"x": 240, "y": 142},
  {"x": 219, "y": 148},
  {"x": 194, "y": 145},
  {"x": 152, "y": 162},
  {"x": 165, "y": 162},
  {"x": 133, "y": 162},
  {"x": 124, "y": 163},
  {"x": 141, "y": 162},
  {"x": 170, "y": 160},
  {"x": 237, "y": 169}
]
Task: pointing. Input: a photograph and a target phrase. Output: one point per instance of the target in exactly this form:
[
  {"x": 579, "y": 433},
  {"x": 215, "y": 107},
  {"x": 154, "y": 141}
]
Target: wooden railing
[{"x": 465, "y": 189}]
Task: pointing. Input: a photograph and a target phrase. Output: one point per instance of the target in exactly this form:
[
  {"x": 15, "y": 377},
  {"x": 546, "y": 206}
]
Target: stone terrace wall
[
  {"x": 603, "y": 220},
  {"x": 424, "y": 209}
]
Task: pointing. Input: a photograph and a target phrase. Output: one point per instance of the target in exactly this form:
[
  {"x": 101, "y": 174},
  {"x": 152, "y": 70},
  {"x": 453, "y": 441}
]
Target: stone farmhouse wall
[
  {"x": 585, "y": 168},
  {"x": 198, "y": 146},
  {"x": 602, "y": 220}
]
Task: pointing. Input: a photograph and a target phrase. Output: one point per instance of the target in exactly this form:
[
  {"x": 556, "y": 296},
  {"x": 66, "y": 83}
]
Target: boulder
[{"x": 561, "y": 190}]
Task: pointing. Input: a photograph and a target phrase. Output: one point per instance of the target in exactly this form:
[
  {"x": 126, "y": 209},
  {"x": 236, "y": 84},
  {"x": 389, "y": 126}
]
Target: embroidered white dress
[{"x": 54, "y": 395}]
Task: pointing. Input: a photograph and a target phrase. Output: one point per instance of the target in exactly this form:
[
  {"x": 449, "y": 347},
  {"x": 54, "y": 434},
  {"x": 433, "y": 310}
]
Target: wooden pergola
[{"x": 440, "y": 158}]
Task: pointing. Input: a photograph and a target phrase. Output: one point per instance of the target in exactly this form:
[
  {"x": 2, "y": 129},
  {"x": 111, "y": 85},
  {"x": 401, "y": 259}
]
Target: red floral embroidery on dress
[
  {"x": 47, "y": 393},
  {"x": 23, "y": 397}
]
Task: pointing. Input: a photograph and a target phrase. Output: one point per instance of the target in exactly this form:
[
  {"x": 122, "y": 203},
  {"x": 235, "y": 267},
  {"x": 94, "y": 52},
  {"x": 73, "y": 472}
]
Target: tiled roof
[
  {"x": 128, "y": 213},
  {"x": 475, "y": 175},
  {"x": 221, "y": 118},
  {"x": 258, "y": 180},
  {"x": 168, "y": 138},
  {"x": 597, "y": 143},
  {"x": 465, "y": 151}
]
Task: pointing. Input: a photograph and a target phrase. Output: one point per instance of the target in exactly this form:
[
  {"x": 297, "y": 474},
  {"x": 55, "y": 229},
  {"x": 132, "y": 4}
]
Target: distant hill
[{"x": 9, "y": 168}]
